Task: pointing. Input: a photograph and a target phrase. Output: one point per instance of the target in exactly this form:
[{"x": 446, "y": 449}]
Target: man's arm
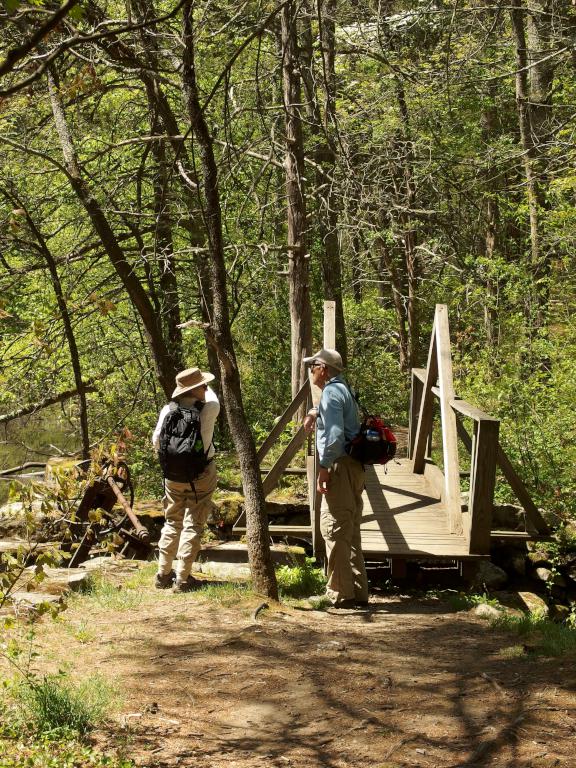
[
  {"x": 333, "y": 440},
  {"x": 208, "y": 417},
  {"x": 158, "y": 428}
]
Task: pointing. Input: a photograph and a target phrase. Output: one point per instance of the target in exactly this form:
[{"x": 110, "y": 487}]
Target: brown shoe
[{"x": 164, "y": 580}]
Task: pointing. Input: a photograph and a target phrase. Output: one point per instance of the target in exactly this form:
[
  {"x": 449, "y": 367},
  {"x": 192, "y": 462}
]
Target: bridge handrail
[
  {"x": 457, "y": 403},
  {"x": 483, "y": 445}
]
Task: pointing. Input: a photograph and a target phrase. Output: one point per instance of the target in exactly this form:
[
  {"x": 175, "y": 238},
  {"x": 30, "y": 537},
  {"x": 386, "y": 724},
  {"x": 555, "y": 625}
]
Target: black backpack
[{"x": 181, "y": 452}]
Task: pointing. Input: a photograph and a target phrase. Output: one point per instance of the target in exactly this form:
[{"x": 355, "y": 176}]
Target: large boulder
[
  {"x": 508, "y": 517},
  {"x": 533, "y": 603},
  {"x": 489, "y": 576}
]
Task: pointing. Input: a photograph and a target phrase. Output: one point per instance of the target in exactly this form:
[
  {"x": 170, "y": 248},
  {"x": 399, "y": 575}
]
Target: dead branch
[{"x": 33, "y": 407}]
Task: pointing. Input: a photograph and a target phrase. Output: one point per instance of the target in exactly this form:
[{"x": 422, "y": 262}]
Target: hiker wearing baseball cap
[{"x": 340, "y": 480}]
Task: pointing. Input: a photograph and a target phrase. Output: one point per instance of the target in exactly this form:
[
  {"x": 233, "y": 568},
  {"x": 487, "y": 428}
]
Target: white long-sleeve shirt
[{"x": 208, "y": 416}]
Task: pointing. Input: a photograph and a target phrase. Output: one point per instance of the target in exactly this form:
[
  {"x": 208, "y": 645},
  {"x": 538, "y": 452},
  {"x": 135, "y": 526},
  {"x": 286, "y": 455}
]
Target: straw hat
[{"x": 190, "y": 379}]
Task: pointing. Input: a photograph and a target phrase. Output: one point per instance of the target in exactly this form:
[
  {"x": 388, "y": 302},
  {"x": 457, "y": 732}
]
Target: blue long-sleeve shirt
[{"x": 338, "y": 421}]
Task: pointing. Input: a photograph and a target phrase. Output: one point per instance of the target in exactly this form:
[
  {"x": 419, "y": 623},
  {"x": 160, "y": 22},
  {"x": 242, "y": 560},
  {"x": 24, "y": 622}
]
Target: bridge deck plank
[{"x": 403, "y": 516}]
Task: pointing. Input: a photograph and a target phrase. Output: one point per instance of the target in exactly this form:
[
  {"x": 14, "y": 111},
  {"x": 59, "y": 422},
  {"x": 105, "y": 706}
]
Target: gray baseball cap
[{"x": 328, "y": 357}]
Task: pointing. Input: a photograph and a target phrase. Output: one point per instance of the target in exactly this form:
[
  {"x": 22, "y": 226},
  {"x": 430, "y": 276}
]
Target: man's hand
[
  {"x": 323, "y": 480},
  {"x": 309, "y": 422}
]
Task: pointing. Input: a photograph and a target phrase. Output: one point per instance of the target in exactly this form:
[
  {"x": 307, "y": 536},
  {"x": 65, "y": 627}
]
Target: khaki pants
[
  {"x": 186, "y": 508},
  {"x": 340, "y": 528}
]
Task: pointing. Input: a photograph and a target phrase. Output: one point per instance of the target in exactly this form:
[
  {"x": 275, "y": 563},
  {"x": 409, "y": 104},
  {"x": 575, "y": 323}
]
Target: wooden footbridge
[{"x": 415, "y": 508}]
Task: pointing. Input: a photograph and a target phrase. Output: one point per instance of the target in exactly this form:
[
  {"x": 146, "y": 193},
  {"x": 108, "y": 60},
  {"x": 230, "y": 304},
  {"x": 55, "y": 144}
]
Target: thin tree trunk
[
  {"x": 298, "y": 270},
  {"x": 263, "y": 575},
  {"x": 398, "y": 298},
  {"x": 68, "y": 331},
  {"x": 491, "y": 221}
]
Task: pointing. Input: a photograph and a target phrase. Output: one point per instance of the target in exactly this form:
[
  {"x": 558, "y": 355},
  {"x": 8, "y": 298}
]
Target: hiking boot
[
  {"x": 164, "y": 580},
  {"x": 188, "y": 585},
  {"x": 345, "y": 604}
]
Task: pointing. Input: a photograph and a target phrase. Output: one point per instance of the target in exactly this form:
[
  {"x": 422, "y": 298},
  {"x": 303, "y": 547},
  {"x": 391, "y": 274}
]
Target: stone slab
[{"x": 237, "y": 552}]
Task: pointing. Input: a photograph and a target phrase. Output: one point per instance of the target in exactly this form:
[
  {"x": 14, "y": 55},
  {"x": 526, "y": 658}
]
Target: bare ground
[{"x": 408, "y": 683}]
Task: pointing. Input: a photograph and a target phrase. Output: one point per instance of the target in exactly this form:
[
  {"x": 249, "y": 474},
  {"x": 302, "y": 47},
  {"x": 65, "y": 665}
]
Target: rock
[
  {"x": 544, "y": 761},
  {"x": 571, "y": 572},
  {"x": 534, "y": 603},
  {"x": 33, "y": 600},
  {"x": 518, "y": 564},
  {"x": 56, "y": 581},
  {"x": 486, "y": 611},
  {"x": 489, "y": 576},
  {"x": 108, "y": 562},
  {"x": 226, "y": 571},
  {"x": 559, "y": 612},
  {"x": 13, "y": 520},
  {"x": 548, "y": 576},
  {"x": 538, "y": 557},
  {"x": 236, "y": 552},
  {"x": 331, "y": 645},
  {"x": 508, "y": 517}
]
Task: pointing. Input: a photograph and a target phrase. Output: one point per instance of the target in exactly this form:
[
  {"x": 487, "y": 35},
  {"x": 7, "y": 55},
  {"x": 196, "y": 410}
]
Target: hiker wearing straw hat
[{"x": 183, "y": 439}]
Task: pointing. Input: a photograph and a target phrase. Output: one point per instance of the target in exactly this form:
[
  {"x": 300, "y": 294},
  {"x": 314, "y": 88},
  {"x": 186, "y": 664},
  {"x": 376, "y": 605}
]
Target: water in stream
[{"x": 37, "y": 437}]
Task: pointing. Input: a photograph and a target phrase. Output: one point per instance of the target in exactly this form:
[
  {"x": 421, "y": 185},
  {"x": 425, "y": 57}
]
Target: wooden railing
[
  {"x": 433, "y": 383},
  {"x": 272, "y": 478}
]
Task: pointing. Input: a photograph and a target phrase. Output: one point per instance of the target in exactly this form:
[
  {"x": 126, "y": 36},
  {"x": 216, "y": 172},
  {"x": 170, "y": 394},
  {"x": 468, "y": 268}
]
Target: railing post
[
  {"x": 416, "y": 391},
  {"x": 424, "y": 422},
  {"x": 482, "y": 481},
  {"x": 449, "y": 436}
]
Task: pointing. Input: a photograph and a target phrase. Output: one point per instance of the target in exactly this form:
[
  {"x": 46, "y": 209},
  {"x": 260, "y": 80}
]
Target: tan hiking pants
[
  {"x": 186, "y": 508},
  {"x": 340, "y": 527}
]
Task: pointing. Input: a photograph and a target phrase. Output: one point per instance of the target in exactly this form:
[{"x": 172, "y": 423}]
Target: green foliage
[
  {"x": 114, "y": 597},
  {"x": 17, "y": 752},
  {"x": 537, "y": 426},
  {"x": 54, "y": 705},
  {"x": 542, "y": 636},
  {"x": 225, "y": 594},
  {"x": 13, "y": 571},
  {"x": 300, "y": 580},
  {"x": 463, "y": 601},
  {"x": 373, "y": 368}
]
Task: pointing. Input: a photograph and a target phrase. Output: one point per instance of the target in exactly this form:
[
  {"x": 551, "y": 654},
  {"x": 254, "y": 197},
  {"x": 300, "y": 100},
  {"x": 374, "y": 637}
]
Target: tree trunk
[
  {"x": 163, "y": 362},
  {"x": 532, "y": 158},
  {"x": 298, "y": 270},
  {"x": 324, "y": 127},
  {"x": 263, "y": 575},
  {"x": 413, "y": 266}
]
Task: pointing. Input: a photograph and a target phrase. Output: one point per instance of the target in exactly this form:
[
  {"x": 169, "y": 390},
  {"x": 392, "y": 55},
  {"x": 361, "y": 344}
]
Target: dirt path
[{"x": 407, "y": 684}]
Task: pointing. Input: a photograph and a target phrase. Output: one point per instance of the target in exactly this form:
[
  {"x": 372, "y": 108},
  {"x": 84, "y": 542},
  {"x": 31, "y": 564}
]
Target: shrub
[
  {"x": 300, "y": 580},
  {"x": 53, "y": 704},
  {"x": 551, "y": 639}
]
